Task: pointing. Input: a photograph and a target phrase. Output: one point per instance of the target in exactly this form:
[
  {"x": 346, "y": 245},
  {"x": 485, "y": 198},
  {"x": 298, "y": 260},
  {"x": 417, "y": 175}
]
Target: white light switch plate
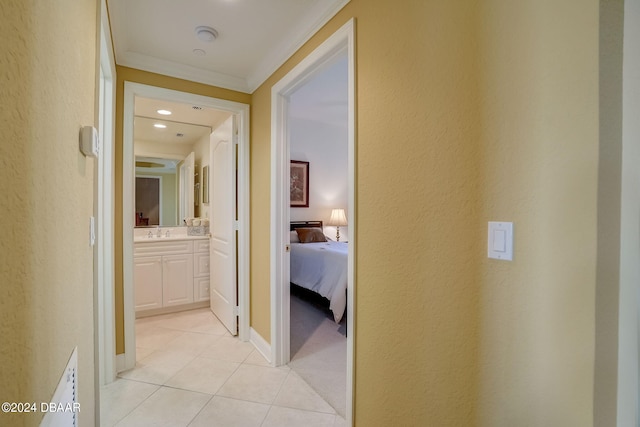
[{"x": 500, "y": 240}]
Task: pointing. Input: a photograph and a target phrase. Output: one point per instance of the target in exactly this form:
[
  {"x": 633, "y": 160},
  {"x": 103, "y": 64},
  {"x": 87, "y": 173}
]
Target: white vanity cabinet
[
  {"x": 148, "y": 282},
  {"x": 169, "y": 273},
  {"x": 201, "y": 270}
]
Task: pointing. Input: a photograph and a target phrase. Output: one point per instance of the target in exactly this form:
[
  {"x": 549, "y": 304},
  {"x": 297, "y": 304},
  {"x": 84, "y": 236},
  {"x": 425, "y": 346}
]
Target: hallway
[{"x": 191, "y": 372}]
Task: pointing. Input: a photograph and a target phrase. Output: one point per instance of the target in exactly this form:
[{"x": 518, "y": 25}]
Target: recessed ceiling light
[
  {"x": 206, "y": 34},
  {"x": 199, "y": 52},
  {"x": 164, "y": 112},
  {"x": 159, "y": 126}
]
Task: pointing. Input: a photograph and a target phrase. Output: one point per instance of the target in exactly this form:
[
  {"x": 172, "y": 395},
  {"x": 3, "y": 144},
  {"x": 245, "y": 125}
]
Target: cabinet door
[
  {"x": 177, "y": 279},
  {"x": 147, "y": 282},
  {"x": 201, "y": 288}
]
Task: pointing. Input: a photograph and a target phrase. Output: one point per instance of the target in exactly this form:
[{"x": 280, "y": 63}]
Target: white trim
[
  {"x": 261, "y": 345},
  {"x": 342, "y": 41},
  {"x": 104, "y": 252},
  {"x": 131, "y": 90},
  {"x": 169, "y": 68}
]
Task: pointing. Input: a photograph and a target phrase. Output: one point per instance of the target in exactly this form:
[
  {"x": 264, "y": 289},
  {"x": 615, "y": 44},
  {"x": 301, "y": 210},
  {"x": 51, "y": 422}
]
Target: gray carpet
[{"x": 319, "y": 352}]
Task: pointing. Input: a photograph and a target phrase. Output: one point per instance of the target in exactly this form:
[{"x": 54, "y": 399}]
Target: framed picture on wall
[{"x": 299, "y": 184}]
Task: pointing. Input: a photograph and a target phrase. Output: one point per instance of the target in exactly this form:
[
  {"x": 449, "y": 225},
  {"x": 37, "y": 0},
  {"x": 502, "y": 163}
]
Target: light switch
[{"x": 500, "y": 240}]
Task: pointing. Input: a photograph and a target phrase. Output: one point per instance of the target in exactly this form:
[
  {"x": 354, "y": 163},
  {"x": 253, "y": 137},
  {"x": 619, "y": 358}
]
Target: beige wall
[
  {"x": 128, "y": 74},
  {"x": 466, "y": 112},
  {"x": 47, "y": 87}
]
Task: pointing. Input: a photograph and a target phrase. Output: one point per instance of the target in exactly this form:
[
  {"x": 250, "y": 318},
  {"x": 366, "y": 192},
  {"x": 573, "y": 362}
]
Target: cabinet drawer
[
  {"x": 201, "y": 246},
  {"x": 201, "y": 264},
  {"x": 162, "y": 248},
  {"x": 201, "y": 289}
]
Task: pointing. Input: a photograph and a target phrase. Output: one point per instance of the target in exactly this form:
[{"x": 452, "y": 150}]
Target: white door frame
[
  {"x": 131, "y": 90},
  {"x": 340, "y": 42},
  {"x": 104, "y": 296}
]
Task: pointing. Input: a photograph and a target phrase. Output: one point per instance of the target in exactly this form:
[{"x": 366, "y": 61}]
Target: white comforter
[{"x": 322, "y": 268}]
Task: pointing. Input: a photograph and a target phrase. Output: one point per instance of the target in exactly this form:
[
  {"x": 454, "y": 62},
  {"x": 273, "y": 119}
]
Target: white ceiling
[{"x": 255, "y": 37}]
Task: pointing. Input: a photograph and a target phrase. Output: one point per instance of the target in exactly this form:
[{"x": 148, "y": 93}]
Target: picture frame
[{"x": 299, "y": 184}]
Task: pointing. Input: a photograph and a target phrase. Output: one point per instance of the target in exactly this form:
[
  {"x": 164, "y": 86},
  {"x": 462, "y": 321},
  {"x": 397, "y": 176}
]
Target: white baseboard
[{"x": 260, "y": 344}]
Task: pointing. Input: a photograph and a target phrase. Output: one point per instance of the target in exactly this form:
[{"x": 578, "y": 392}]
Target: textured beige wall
[
  {"x": 539, "y": 79},
  {"x": 466, "y": 112},
  {"x": 47, "y": 88},
  {"x": 125, "y": 74}
]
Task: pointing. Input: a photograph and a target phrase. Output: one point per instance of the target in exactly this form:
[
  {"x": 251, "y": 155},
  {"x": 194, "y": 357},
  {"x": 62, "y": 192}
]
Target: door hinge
[
  {"x": 236, "y": 311},
  {"x": 236, "y": 225}
]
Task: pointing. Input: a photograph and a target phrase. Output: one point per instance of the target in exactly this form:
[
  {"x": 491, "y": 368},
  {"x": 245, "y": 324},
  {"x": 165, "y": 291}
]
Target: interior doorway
[
  {"x": 338, "y": 45},
  {"x": 241, "y": 113}
]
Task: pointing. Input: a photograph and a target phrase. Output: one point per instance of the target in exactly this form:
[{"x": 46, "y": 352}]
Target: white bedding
[{"x": 322, "y": 268}]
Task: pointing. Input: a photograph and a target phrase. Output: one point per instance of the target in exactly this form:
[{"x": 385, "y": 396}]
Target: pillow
[
  {"x": 293, "y": 237},
  {"x": 311, "y": 235}
]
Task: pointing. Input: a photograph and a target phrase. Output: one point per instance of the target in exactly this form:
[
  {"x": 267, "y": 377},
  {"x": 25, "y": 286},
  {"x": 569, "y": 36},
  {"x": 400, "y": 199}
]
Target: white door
[
  {"x": 223, "y": 287},
  {"x": 187, "y": 187}
]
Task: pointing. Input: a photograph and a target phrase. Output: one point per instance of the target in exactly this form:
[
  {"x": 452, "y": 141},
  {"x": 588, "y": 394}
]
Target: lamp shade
[{"x": 338, "y": 218}]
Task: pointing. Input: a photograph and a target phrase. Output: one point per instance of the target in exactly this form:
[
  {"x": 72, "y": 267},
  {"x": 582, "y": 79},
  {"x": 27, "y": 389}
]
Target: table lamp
[{"x": 337, "y": 219}]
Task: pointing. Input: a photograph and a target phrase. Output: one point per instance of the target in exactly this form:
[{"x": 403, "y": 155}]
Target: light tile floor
[{"x": 191, "y": 372}]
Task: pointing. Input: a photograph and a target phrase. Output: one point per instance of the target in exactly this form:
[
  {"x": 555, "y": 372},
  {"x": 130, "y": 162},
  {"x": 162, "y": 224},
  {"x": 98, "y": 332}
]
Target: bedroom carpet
[{"x": 319, "y": 352}]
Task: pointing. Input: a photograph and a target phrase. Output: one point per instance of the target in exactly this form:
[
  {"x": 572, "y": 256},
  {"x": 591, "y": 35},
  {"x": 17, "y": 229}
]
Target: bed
[{"x": 319, "y": 266}]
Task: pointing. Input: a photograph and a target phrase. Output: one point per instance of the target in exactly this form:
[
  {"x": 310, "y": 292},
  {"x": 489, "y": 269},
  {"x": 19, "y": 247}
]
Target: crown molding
[{"x": 181, "y": 71}]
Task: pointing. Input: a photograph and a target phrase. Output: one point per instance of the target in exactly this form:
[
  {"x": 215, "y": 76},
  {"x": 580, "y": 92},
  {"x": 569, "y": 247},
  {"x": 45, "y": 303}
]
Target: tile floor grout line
[
  {"x": 201, "y": 409},
  {"x": 136, "y": 407}
]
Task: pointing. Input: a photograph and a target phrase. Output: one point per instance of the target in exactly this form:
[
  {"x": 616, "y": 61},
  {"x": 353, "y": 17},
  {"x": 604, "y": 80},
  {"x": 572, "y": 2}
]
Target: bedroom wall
[
  {"x": 152, "y": 79},
  {"x": 318, "y": 135},
  {"x": 466, "y": 112},
  {"x": 48, "y": 76},
  {"x": 324, "y": 146}
]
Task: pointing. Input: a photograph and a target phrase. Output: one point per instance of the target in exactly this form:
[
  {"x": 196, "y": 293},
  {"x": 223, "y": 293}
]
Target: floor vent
[{"x": 64, "y": 408}]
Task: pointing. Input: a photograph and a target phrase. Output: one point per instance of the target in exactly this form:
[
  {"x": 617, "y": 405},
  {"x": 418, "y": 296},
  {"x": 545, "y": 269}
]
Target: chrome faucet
[
  {"x": 150, "y": 235},
  {"x": 159, "y": 233},
  {"x": 166, "y": 234}
]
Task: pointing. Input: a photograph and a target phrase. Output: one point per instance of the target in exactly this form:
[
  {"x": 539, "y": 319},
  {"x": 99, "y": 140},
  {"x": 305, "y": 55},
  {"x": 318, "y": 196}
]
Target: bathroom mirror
[
  {"x": 174, "y": 136},
  {"x": 156, "y": 191},
  {"x": 165, "y": 171}
]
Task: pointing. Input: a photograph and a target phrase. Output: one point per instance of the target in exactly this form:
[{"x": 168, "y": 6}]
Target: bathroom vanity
[{"x": 170, "y": 273}]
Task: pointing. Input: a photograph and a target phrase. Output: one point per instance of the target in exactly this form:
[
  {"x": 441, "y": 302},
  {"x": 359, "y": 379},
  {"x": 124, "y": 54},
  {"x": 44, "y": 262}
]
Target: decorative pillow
[
  {"x": 293, "y": 237},
  {"x": 311, "y": 235}
]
